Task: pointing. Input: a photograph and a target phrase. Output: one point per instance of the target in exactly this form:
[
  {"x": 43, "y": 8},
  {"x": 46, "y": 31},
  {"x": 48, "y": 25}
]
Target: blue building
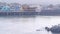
[{"x": 5, "y": 8}]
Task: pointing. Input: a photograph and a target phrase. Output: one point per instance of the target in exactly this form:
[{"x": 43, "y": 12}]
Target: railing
[{"x": 18, "y": 13}]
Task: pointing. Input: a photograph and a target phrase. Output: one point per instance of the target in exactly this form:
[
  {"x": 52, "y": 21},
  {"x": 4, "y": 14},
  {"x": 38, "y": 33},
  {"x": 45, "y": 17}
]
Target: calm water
[{"x": 27, "y": 25}]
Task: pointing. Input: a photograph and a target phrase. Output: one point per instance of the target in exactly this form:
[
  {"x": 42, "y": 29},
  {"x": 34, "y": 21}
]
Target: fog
[{"x": 32, "y": 1}]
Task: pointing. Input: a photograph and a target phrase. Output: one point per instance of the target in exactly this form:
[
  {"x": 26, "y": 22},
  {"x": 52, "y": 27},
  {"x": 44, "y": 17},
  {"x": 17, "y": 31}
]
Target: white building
[{"x": 38, "y": 7}]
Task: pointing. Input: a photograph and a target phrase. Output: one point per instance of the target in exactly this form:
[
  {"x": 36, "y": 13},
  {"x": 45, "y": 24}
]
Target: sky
[{"x": 32, "y": 1}]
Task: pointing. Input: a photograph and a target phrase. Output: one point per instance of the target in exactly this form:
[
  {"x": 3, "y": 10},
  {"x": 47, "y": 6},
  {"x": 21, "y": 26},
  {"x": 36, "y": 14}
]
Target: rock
[{"x": 54, "y": 29}]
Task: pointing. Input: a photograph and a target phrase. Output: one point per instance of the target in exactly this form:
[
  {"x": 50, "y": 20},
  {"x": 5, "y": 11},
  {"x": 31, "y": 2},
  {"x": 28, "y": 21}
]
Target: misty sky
[{"x": 33, "y": 1}]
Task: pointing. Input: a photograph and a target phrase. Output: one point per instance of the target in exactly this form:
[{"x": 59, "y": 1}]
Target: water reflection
[{"x": 26, "y": 25}]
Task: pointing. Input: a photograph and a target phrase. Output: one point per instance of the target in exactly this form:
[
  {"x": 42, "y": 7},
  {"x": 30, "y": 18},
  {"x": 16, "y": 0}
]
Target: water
[{"x": 31, "y": 25}]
